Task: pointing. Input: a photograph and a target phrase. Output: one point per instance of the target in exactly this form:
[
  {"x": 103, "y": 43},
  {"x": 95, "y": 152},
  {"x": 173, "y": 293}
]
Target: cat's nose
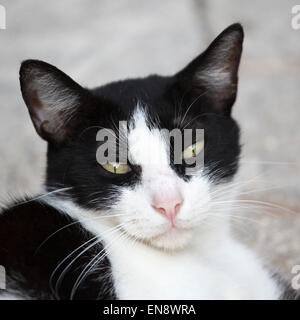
[{"x": 168, "y": 206}]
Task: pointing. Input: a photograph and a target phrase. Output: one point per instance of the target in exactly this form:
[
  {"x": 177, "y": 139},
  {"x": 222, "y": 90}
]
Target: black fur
[{"x": 30, "y": 252}]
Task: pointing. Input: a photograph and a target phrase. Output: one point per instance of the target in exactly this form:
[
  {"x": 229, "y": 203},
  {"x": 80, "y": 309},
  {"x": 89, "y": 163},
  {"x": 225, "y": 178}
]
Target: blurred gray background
[{"x": 100, "y": 41}]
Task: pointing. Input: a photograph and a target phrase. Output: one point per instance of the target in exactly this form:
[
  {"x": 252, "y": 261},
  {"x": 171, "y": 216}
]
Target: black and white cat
[{"x": 142, "y": 229}]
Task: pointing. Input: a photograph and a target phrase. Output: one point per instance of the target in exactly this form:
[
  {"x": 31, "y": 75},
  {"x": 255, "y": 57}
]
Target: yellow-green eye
[
  {"x": 193, "y": 150},
  {"x": 116, "y": 167}
]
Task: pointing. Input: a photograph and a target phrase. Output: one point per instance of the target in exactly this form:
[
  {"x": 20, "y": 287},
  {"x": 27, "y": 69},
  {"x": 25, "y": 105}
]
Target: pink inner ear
[
  {"x": 213, "y": 74},
  {"x": 46, "y": 120},
  {"x": 52, "y": 98}
]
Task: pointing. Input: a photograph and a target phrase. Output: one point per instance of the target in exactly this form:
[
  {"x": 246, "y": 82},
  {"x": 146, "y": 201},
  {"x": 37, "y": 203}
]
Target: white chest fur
[
  {"x": 214, "y": 267},
  {"x": 230, "y": 272}
]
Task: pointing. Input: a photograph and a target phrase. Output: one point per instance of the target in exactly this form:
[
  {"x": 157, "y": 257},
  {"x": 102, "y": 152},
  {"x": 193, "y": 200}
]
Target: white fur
[
  {"x": 148, "y": 149},
  {"x": 212, "y": 266},
  {"x": 150, "y": 260},
  {"x": 215, "y": 76}
]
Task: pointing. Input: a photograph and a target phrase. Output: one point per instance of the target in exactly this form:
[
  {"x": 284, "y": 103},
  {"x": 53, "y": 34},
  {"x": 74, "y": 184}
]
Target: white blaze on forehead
[{"x": 146, "y": 147}]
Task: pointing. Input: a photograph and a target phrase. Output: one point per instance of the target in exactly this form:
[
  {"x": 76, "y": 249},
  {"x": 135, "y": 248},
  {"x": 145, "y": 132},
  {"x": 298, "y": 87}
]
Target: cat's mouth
[{"x": 173, "y": 238}]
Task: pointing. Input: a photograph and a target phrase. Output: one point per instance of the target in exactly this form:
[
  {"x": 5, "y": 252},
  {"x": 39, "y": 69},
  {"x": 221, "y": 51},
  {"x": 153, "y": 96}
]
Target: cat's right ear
[
  {"x": 213, "y": 75},
  {"x": 53, "y": 99}
]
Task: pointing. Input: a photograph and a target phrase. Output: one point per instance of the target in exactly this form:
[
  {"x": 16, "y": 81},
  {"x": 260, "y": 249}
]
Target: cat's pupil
[{"x": 194, "y": 150}]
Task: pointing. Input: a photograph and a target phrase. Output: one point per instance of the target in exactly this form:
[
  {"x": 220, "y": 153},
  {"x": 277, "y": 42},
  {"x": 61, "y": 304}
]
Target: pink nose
[{"x": 168, "y": 207}]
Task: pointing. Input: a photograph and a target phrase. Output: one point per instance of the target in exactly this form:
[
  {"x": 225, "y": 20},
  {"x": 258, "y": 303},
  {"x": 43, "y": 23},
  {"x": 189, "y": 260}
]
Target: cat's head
[{"x": 151, "y": 196}]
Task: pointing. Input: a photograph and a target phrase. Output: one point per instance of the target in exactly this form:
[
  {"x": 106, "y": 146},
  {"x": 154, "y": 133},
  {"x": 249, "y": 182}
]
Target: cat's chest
[
  {"x": 218, "y": 269},
  {"x": 140, "y": 272},
  {"x": 157, "y": 278}
]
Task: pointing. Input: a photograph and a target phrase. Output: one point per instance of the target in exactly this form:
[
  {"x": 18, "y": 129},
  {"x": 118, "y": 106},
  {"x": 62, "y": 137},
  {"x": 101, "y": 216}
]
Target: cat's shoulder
[
  {"x": 29, "y": 211},
  {"x": 28, "y": 221},
  {"x": 35, "y": 237}
]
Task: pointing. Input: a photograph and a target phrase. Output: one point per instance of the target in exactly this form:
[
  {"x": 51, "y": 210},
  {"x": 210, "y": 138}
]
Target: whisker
[
  {"x": 73, "y": 223},
  {"x": 41, "y": 196},
  {"x": 59, "y": 280},
  {"x": 91, "y": 264},
  {"x": 190, "y": 106}
]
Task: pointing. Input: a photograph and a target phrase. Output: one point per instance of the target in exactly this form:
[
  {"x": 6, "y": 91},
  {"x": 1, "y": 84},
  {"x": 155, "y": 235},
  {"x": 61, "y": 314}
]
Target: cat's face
[{"x": 151, "y": 197}]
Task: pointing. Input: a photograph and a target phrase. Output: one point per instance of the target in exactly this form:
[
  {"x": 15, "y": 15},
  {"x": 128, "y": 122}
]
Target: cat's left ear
[
  {"x": 53, "y": 99},
  {"x": 213, "y": 76}
]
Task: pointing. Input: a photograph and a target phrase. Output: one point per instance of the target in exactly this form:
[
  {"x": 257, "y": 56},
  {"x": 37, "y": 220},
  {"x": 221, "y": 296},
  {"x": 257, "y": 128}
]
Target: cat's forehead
[
  {"x": 146, "y": 144},
  {"x": 164, "y": 105},
  {"x": 152, "y": 92}
]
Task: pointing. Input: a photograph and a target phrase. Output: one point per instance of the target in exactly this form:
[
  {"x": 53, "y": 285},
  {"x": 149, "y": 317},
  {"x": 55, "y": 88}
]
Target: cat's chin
[{"x": 172, "y": 239}]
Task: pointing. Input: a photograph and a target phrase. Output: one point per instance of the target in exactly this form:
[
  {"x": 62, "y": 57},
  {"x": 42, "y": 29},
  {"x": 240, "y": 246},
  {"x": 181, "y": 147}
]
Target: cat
[{"x": 138, "y": 229}]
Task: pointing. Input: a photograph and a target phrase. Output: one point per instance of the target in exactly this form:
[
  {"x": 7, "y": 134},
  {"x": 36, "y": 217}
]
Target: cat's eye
[
  {"x": 116, "y": 167},
  {"x": 193, "y": 150}
]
